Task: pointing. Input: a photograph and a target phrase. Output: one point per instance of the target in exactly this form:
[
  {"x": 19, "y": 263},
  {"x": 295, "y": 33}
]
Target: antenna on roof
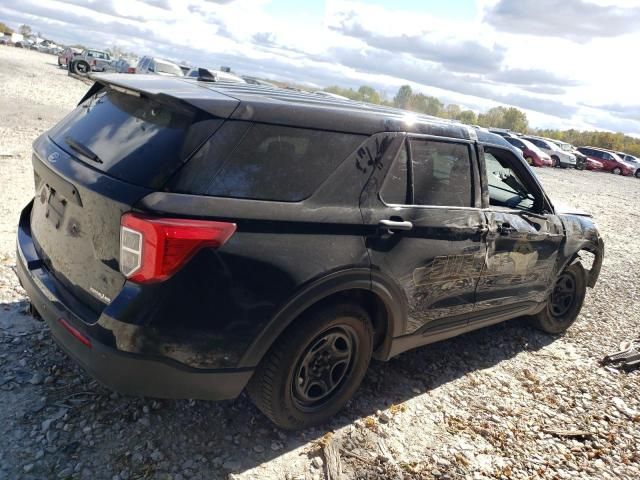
[{"x": 205, "y": 75}]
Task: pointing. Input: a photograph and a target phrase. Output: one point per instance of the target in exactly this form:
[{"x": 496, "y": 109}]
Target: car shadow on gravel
[{"x": 148, "y": 437}]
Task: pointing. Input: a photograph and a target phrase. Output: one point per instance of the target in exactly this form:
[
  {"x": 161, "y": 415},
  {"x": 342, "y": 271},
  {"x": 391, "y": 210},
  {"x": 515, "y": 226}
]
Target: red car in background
[
  {"x": 67, "y": 55},
  {"x": 532, "y": 154},
  {"x": 610, "y": 161}
]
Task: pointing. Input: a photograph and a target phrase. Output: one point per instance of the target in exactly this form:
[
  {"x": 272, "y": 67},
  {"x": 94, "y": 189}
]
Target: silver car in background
[
  {"x": 158, "y": 66},
  {"x": 560, "y": 157}
]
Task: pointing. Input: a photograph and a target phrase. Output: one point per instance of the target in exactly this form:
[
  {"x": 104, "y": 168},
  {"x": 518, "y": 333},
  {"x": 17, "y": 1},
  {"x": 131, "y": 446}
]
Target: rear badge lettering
[{"x": 99, "y": 295}]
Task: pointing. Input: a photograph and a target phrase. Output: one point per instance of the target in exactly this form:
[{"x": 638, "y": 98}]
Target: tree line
[{"x": 509, "y": 118}]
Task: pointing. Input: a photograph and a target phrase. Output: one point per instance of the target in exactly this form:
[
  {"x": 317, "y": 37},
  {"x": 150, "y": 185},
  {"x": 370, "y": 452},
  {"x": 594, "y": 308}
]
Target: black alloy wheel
[
  {"x": 564, "y": 294},
  {"x": 323, "y": 367}
]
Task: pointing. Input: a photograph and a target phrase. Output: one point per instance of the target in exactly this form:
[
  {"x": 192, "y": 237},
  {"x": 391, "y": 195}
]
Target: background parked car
[
  {"x": 609, "y": 160},
  {"x": 560, "y": 158},
  {"x": 218, "y": 74},
  {"x": 91, "y": 61},
  {"x": 67, "y": 55},
  {"x": 158, "y": 66},
  {"x": 503, "y": 132},
  {"x": 567, "y": 147},
  {"x": 634, "y": 162},
  {"x": 125, "y": 65},
  {"x": 532, "y": 154}
]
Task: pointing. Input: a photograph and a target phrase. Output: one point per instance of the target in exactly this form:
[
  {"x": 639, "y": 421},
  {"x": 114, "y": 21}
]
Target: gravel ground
[{"x": 503, "y": 402}]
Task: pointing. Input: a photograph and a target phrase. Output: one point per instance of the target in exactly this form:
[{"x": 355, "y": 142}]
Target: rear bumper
[{"x": 125, "y": 372}]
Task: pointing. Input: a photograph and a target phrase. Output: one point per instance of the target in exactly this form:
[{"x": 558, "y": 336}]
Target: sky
[{"x": 566, "y": 63}]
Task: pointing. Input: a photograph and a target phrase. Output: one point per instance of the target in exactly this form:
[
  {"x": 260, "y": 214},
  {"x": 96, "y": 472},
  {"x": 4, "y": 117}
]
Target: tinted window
[
  {"x": 269, "y": 163},
  {"x": 441, "y": 173},
  {"x": 137, "y": 140},
  {"x": 394, "y": 188},
  {"x": 506, "y": 189}
]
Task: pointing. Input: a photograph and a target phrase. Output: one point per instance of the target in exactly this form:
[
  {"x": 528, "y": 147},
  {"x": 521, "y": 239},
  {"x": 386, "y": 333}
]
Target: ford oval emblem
[{"x": 53, "y": 158}]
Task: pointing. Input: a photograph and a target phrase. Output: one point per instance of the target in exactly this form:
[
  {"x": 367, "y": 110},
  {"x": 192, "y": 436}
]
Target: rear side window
[
  {"x": 441, "y": 175},
  {"x": 268, "y": 162},
  {"x": 135, "y": 139}
]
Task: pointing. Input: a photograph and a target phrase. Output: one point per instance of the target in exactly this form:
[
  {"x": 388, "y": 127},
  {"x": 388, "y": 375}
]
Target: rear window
[
  {"x": 138, "y": 140},
  {"x": 265, "y": 162}
]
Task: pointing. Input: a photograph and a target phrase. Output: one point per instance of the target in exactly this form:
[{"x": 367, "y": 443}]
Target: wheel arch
[
  {"x": 590, "y": 247},
  {"x": 378, "y": 294}
]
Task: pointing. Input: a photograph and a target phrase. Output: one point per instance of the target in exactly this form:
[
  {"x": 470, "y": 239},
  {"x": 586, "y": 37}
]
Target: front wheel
[
  {"x": 529, "y": 160},
  {"x": 637, "y": 174},
  {"x": 565, "y": 302},
  {"x": 616, "y": 171},
  {"x": 556, "y": 162},
  {"x": 315, "y": 367}
]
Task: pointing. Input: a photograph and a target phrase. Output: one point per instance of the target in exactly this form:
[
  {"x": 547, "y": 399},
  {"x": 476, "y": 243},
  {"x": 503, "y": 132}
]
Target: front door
[
  {"x": 426, "y": 230},
  {"x": 522, "y": 241}
]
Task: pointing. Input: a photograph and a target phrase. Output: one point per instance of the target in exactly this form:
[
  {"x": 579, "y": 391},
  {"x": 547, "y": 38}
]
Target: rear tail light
[
  {"x": 131, "y": 70},
  {"x": 152, "y": 249}
]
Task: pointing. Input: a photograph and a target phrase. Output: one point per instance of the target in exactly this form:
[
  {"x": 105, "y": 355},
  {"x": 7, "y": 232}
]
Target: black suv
[{"x": 189, "y": 239}]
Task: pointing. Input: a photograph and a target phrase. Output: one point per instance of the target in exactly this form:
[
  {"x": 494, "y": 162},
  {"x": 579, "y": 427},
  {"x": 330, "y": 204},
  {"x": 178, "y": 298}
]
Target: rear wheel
[
  {"x": 556, "y": 161},
  {"x": 616, "y": 171},
  {"x": 315, "y": 367},
  {"x": 565, "y": 302},
  {"x": 81, "y": 68}
]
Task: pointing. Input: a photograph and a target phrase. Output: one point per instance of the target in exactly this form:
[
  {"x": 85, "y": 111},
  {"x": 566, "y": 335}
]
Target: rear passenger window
[
  {"x": 441, "y": 173},
  {"x": 269, "y": 163},
  {"x": 394, "y": 188}
]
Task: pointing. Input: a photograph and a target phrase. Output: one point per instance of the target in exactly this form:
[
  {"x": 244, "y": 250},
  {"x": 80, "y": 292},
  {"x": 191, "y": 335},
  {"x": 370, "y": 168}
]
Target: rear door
[
  {"x": 428, "y": 230},
  {"x": 523, "y": 237},
  {"x": 93, "y": 166}
]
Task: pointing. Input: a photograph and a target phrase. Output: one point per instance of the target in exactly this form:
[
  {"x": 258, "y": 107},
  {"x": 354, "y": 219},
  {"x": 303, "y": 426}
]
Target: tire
[
  {"x": 616, "y": 171},
  {"x": 637, "y": 174},
  {"x": 81, "y": 68},
  {"x": 344, "y": 329},
  {"x": 529, "y": 160},
  {"x": 556, "y": 162},
  {"x": 565, "y": 302}
]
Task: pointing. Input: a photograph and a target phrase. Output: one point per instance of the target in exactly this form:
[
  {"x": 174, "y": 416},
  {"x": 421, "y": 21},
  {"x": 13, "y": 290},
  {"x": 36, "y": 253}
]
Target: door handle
[
  {"x": 506, "y": 229},
  {"x": 392, "y": 225}
]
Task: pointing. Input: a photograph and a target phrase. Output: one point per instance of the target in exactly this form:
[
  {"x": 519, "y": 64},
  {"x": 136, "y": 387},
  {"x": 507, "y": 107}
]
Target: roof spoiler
[{"x": 172, "y": 90}]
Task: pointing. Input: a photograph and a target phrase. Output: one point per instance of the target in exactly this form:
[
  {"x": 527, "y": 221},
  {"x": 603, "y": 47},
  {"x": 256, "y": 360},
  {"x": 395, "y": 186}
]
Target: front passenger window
[{"x": 506, "y": 189}]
